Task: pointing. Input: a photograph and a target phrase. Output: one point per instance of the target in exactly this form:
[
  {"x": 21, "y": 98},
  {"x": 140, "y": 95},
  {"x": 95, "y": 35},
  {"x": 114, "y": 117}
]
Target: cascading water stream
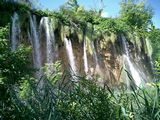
[
  {"x": 94, "y": 53},
  {"x": 149, "y": 51},
  {"x": 50, "y": 42},
  {"x": 15, "y": 31},
  {"x": 85, "y": 58},
  {"x": 70, "y": 54},
  {"x": 36, "y": 45},
  {"x": 134, "y": 73},
  {"x": 50, "y": 39},
  {"x": 95, "y": 57}
]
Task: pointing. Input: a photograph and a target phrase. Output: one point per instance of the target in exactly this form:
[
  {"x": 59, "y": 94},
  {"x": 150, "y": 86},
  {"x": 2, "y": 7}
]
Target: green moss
[
  {"x": 148, "y": 47},
  {"x": 6, "y": 18},
  {"x": 11, "y": 7},
  {"x": 80, "y": 34}
]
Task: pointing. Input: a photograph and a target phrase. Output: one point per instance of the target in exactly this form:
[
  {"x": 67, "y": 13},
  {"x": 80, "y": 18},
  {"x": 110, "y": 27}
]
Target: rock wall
[{"x": 104, "y": 54}]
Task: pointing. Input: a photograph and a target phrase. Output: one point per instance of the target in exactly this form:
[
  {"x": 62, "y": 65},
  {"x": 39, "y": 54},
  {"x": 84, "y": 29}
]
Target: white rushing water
[
  {"x": 50, "y": 42},
  {"x": 134, "y": 73},
  {"x": 35, "y": 43},
  {"x": 50, "y": 39},
  {"x": 15, "y": 31},
  {"x": 85, "y": 58},
  {"x": 70, "y": 54}
]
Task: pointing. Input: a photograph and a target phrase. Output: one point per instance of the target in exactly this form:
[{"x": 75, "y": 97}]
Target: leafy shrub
[
  {"x": 136, "y": 14},
  {"x": 14, "y": 67},
  {"x": 84, "y": 100}
]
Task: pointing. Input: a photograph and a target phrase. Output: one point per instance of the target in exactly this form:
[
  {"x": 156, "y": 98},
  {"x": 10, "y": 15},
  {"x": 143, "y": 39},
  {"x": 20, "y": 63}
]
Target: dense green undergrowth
[{"x": 65, "y": 99}]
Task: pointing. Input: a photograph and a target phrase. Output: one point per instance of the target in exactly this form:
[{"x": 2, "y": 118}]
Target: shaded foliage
[
  {"x": 84, "y": 100},
  {"x": 14, "y": 67}
]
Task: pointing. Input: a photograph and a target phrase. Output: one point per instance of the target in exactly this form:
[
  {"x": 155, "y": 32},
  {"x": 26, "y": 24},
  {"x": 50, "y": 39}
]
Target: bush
[
  {"x": 84, "y": 100},
  {"x": 14, "y": 67}
]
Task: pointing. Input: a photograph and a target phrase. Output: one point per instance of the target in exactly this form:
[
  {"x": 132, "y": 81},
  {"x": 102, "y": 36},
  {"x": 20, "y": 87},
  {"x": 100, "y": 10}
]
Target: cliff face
[{"x": 111, "y": 59}]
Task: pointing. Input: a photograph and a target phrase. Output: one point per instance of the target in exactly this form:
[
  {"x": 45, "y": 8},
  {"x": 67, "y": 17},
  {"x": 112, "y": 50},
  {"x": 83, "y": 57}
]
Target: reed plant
[{"x": 67, "y": 99}]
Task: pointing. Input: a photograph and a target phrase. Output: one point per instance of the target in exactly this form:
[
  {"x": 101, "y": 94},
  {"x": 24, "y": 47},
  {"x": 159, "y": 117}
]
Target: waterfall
[
  {"x": 36, "y": 44},
  {"x": 50, "y": 42},
  {"x": 149, "y": 52},
  {"x": 85, "y": 57},
  {"x": 15, "y": 31},
  {"x": 94, "y": 53},
  {"x": 95, "y": 58},
  {"x": 134, "y": 73},
  {"x": 50, "y": 39},
  {"x": 70, "y": 54}
]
